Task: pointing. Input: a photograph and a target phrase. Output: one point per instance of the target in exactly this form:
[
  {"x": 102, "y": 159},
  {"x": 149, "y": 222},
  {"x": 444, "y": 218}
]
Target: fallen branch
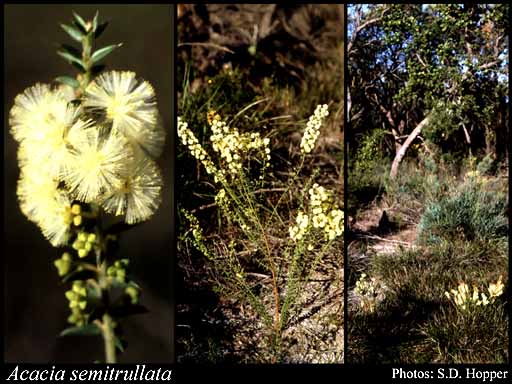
[
  {"x": 211, "y": 45},
  {"x": 387, "y": 240}
]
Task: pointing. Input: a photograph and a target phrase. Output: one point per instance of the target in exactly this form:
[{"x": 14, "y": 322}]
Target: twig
[
  {"x": 387, "y": 240},
  {"x": 212, "y": 45},
  {"x": 258, "y": 191},
  {"x": 258, "y": 275},
  {"x": 249, "y": 106}
]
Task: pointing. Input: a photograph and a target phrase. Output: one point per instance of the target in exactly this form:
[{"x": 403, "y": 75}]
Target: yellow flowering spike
[
  {"x": 233, "y": 146},
  {"x": 313, "y": 128},
  {"x": 188, "y": 139},
  {"x": 323, "y": 216},
  {"x": 496, "y": 289}
]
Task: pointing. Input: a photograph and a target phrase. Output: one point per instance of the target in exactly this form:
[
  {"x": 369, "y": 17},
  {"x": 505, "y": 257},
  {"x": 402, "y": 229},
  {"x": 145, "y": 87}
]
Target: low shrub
[{"x": 475, "y": 211}]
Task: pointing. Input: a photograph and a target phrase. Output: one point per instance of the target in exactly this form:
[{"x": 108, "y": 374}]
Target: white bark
[{"x": 401, "y": 152}]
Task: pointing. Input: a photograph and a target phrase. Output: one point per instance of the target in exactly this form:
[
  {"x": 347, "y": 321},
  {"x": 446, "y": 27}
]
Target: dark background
[{"x": 35, "y": 309}]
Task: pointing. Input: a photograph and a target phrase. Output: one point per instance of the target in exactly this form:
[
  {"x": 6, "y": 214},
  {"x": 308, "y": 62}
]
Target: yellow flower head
[
  {"x": 52, "y": 149},
  {"x": 210, "y": 116},
  {"x": 57, "y": 220},
  {"x": 129, "y": 104},
  {"x": 140, "y": 193},
  {"x": 99, "y": 165},
  {"x": 149, "y": 140},
  {"x": 35, "y": 109},
  {"x": 43, "y": 203},
  {"x": 35, "y": 189}
]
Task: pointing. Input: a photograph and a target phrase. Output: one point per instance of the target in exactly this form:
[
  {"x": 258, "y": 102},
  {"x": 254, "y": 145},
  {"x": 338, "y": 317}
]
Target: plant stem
[
  {"x": 109, "y": 338},
  {"x": 85, "y": 78},
  {"x": 108, "y": 324}
]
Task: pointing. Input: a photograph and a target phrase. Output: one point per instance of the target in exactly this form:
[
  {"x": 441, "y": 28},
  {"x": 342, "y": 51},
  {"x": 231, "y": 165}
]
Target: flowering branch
[
  {"x": 87, "y": 149},
  {"x": 236, "y": 178}
]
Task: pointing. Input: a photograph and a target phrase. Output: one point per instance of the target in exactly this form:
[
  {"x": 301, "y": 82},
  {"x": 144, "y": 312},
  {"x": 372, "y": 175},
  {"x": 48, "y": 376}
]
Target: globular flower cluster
[
  {"x": 463, "y": 298},
  {"x": 233, "y": 146},
  {"x": 369, "y": 291},
  {"x": 98, "y": 149},
  {"x": 322, "y": 215},
  {"x": 313, "y": 128},
  {"x": 129, "y": 105}
]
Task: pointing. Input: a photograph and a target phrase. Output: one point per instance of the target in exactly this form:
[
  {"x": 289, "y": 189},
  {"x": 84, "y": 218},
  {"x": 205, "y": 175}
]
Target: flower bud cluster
[
  {"x": 84, "y": 243},
  {"x": 63, "y": 264},
  {"x": 77, "y": 297},
  {"x": 133, "y": 293},
  {"x": 118, "y": 270}
]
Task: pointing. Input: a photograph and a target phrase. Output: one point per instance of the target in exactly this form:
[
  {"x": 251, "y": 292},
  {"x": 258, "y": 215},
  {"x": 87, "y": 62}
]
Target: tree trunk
[
  {"x": 401, "y": 152},
  {"x": 490, "y": 141}
]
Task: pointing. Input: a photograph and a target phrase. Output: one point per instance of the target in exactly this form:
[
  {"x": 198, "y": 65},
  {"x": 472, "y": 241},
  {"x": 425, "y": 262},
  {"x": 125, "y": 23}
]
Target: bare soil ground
[{"x": 376, "y": 231}]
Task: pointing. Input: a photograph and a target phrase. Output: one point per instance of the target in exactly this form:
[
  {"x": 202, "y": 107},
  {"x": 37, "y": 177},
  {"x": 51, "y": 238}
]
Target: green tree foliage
[{"x": 445, "y": 62}]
